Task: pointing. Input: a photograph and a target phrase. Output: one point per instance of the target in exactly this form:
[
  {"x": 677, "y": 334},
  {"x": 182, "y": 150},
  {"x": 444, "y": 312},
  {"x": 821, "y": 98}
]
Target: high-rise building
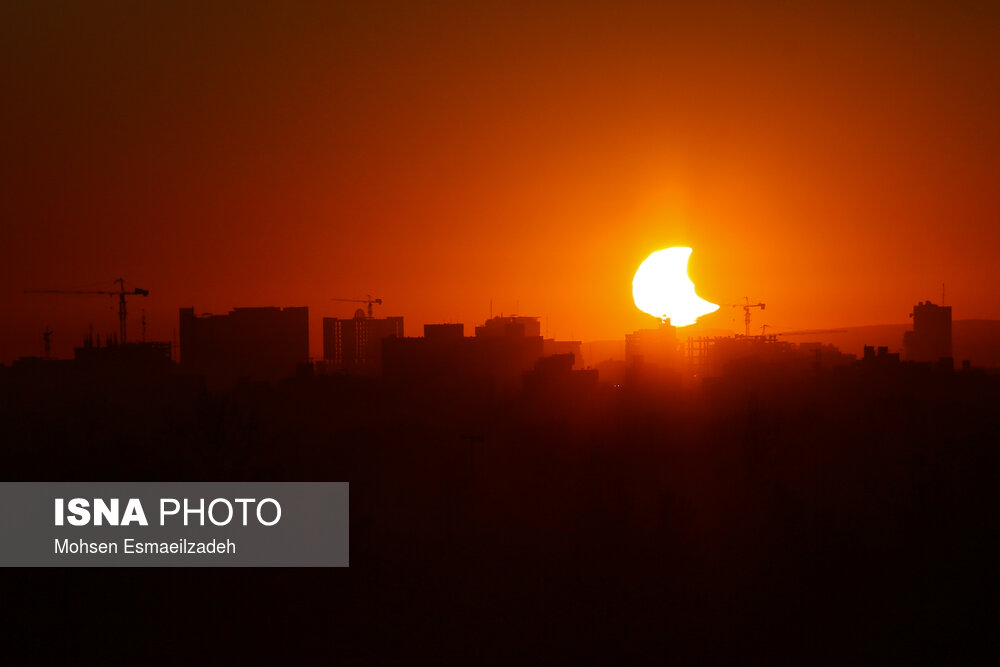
[
  {"x": 355, "y": 345},
  {"x": 930, "y": 339},
  {"x": 253, "y": 343}
]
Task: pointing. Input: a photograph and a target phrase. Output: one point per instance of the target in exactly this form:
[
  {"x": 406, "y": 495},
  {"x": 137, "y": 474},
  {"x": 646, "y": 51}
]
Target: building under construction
[
  {"x": 712, "y": 355},
  {"x": 660, "y": 353},
  {"x": 354, "y": 345}
]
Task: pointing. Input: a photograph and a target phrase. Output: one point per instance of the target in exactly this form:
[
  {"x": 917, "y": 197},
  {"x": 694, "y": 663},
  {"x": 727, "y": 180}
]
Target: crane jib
[{"x": 121, "y": 293}]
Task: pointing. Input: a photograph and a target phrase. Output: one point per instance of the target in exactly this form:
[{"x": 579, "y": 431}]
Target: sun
[{"x": 661, "y": 287}]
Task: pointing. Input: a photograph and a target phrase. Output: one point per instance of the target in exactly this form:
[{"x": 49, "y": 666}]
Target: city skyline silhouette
[
  {"x": 440, "y": 252},
  {"x": 836, "y": 164}
]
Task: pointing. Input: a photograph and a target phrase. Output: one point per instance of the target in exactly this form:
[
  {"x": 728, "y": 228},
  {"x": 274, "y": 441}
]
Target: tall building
[
  {"x": 355, "y": 345},
  {"x": 253, "y": 343},
  {"x": 930, "y": 339}
]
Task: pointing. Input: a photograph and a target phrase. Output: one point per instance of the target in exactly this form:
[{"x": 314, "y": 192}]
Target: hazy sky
[{"x": 838, "y": 162}]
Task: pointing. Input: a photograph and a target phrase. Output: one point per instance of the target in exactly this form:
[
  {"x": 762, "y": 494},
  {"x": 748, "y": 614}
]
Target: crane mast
[{"x": 747, "y": 306}]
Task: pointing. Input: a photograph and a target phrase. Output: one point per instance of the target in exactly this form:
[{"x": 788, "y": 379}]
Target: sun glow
[{"x": 661, "y": 287}]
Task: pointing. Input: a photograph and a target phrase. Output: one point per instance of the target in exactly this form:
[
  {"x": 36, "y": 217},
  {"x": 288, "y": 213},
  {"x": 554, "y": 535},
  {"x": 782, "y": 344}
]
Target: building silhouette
[
  {"x": 555, "y": 375},
  {"x": 354, "y": 345},
  {"x": 497, "y": 357},
  {"x": 551, "y": 347},
  {"x": 655, "y": 347},
  {"x": 139, "y": 357},
  {"x": 930, "y": 339},
  {"x": 511, "y": 326},
  {"x": 514, "y": 326},
  {"x": 879, "y": 357},
  {"x": 266, "y": 343},
  {"x": 444, "y": 331}
]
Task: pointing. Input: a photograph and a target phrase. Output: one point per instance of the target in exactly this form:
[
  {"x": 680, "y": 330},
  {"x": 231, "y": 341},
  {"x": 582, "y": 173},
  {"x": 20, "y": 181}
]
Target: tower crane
[
  {"x": 746, "y": 306},
  {"x": 121, "y": 293},
  {"x": 370, "y": 301}
]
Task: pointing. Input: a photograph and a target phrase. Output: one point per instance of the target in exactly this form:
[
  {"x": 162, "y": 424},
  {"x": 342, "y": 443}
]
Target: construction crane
[
  {"x": 370, "y": 301},
  {"x": 121, "y": 293},
  {"x": 746, "y": 306}
]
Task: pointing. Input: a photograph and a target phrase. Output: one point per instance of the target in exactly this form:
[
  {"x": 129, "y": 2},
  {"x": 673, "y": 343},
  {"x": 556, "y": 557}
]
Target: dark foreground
[{"x": 763, "y": 517}]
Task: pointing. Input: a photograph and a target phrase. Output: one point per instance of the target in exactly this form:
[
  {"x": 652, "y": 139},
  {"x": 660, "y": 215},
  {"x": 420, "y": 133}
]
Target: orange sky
[{"x": 838, "y": 162}]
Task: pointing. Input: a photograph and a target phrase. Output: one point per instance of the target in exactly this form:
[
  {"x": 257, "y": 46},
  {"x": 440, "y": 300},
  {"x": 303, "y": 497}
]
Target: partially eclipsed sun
[{"x": 661, "y": 287}]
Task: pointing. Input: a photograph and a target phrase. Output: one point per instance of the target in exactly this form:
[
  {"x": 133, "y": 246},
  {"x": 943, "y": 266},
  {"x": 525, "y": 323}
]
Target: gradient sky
[{"x": 837, "y": 161}]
